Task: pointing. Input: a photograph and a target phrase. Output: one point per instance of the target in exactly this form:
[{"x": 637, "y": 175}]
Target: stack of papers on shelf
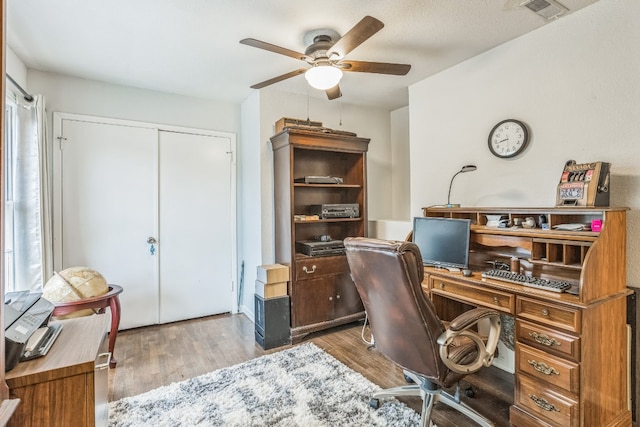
[{"x": 572, "y": 227}]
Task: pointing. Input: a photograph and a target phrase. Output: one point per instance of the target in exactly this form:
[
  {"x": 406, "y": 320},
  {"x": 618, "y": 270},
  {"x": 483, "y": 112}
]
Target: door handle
[{"x": 152, "y": 248}]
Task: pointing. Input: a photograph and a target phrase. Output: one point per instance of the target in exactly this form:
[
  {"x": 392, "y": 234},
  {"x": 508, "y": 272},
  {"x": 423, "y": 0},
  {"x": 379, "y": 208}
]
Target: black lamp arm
[
  {"x": 451, "y": 184},
  {"x": 466, "y": 168}
]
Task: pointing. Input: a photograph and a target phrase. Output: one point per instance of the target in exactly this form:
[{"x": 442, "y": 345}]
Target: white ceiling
[{"x": 190, "y": 47}]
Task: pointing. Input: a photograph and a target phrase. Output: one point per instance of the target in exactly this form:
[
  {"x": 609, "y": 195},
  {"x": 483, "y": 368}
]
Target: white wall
[
  {"x": 575, "y": 82},
  {"x": 17, "y": 70},
  {"x": 74, "y": 95},
  {"x": 400, "y": 165},
  {"x": 249, "y": 211},
  {"x": 399, "y": 223}
]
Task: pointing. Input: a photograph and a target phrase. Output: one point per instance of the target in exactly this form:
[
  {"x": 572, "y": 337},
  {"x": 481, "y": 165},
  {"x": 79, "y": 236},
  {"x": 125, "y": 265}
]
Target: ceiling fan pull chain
[{"x": 340, "y": 100}]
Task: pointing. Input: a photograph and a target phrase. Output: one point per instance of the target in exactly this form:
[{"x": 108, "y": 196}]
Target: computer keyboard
[{"x": 521, "y": 279}]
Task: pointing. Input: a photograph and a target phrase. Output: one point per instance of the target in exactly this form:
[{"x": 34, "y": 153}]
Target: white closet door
[
  {"x": 108, "y": 195},
  {"x": 195, "y": 251}
]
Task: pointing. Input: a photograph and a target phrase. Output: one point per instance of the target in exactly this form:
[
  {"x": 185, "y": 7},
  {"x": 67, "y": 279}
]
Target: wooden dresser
[
  {"x": 571, "y": 350},
  {"x": 69, "y": 386}
]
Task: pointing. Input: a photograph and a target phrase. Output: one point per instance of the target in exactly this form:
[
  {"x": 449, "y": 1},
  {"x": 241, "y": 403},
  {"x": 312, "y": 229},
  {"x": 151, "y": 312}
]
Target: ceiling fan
[{"x": 326, "y": 56}]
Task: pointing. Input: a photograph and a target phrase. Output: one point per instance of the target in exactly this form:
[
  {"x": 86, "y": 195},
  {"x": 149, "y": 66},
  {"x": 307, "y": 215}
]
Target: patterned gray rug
[{"x": 300, "y": 386}]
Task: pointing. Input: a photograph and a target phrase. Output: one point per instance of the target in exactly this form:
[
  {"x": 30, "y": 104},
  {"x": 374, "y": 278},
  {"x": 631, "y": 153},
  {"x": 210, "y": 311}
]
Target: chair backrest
[{"x": 405, "y": 327}]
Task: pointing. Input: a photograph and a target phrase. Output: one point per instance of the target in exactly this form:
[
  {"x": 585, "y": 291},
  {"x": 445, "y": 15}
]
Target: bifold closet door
[
  {"x": 151, "y": 210},
  {"x": 195, "y": 226},
  {"x": 108, "y": 194}
]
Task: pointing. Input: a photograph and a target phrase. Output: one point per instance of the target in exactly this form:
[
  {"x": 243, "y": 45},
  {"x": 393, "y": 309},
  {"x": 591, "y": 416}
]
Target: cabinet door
[
  {"x": 347, "y": 299},
  {"x": 312, "y": 301}
]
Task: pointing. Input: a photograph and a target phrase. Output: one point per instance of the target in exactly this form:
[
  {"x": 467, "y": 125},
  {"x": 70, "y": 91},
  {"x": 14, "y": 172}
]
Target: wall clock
[{"x": 508, "y": 138}]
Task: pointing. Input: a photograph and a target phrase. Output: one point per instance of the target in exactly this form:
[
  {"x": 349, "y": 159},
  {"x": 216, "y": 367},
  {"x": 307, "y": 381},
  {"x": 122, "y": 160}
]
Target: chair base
[{"x": 430, "y": 394}]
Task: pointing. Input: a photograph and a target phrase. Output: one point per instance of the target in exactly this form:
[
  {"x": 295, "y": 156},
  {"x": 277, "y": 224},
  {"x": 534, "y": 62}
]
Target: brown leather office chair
[{"x": 407, "y": 330}]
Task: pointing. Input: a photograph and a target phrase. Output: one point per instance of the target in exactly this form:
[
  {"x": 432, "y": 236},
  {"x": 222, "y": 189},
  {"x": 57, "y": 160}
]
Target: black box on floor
[{"x": 272, "y": 321}]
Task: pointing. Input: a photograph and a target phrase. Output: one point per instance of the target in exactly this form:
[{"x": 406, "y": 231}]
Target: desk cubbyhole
[
  {"x": 539, "y": 251},
  {"x": 572, "y": 255},
  {"x": 574, "y": 219},
  {"x": 555, "y": 252},
  {"x": 566, "y": 253}
]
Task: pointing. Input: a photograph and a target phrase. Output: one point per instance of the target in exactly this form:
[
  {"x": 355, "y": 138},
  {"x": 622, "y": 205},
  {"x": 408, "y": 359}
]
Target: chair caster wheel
[
  {"x": 374, "y": 403},
  {"x": 408, "y": 379},
  {"x": 469, "y": 392}
]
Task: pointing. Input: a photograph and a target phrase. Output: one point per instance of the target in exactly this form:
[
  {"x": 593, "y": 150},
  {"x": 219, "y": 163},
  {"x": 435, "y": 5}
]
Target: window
[{"x": 26, "y": 217}]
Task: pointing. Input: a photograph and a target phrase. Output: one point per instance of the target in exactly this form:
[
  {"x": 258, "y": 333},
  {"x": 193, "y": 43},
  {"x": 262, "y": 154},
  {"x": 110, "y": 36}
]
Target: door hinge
[{"x": 61, "y": 140}]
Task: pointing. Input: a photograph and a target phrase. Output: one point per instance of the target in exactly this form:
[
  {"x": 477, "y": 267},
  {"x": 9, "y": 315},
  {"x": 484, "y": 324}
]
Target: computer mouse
[{"x": 467, "y": 272}]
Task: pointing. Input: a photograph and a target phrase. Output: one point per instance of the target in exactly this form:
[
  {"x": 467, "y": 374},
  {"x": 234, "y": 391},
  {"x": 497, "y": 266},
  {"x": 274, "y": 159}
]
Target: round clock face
[{"x": 508, "y": 138}]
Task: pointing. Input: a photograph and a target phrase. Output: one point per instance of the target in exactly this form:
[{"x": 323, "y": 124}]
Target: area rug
[{"x": 300, "y": 386}]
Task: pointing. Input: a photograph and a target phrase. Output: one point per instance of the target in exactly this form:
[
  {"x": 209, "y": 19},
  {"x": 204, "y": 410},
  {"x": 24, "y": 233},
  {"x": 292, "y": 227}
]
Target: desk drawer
[
  {"x": 548, "y": 340},
  {"x": 554, "y": 407},
  {"x": 475, "y": 295},
  {"x": 548, "y": 368},
  {"x": 549, "y": 314},
  {"x": 312, "y": 267}
]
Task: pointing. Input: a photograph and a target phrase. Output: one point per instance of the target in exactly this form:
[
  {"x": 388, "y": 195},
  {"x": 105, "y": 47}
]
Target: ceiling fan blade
[
  {"x": 364, "y": 29},
  {"x": 279, "y": 78},
  {"x": 334, "y": 92},
  {"x": 375, "y": 67},
  {"x": 276, "y": 49}
]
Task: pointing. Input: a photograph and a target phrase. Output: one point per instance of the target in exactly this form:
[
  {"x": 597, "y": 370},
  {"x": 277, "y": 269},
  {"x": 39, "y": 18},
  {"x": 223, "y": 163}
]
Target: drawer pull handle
[
  {"x": 338, "y": 296},
  {"x": 543, "y": 368},
  {"x": 542, "y": 403},
  {"x": 496, "y": 300},
  {"x": 441, "y": 286},
  {"x": 104, "y": 365},
  {"x": 545, "y": 312},
  {"x": 306, "y": 270},
  {"x": 544, "y": 339},
  {"x": 330, "y": 298}
]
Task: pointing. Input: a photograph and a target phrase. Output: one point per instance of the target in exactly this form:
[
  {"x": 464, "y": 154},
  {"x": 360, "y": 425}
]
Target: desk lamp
[{"x": 466, "y": 168}]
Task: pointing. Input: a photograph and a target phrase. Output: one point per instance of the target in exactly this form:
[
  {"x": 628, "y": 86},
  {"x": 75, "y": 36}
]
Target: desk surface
[
  {"x": 477, "y": 280},
  {"x": 73, "y": 352}
]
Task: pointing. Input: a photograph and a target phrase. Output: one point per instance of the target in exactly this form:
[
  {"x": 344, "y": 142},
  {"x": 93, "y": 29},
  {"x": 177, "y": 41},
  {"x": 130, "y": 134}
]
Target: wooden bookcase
[{"x": 320, "y": 287}]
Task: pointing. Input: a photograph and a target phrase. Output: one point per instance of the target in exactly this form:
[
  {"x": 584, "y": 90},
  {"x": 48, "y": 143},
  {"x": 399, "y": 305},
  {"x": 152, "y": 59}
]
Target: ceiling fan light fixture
[{"x": 323, "y": 77}]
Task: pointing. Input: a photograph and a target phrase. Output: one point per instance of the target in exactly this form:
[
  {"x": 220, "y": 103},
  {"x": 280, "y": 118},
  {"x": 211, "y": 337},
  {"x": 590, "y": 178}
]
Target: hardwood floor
[{"x": 159, "y": 355}]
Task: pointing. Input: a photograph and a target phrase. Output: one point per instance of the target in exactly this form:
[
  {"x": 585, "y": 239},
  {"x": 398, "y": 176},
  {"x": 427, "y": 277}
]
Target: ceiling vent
[{"x": 546, "y": 9}]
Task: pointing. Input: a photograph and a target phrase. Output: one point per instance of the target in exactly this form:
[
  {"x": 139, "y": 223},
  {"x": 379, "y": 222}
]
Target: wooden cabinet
[
  {"x": 570, "y": 348},
  {"x": 68, "y": 386},
  {"x": 321, "y": 290}
]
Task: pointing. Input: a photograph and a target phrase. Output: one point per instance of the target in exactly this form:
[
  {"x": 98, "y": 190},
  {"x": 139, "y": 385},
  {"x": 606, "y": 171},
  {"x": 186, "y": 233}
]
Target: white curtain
[{"x": 32, "y": 198}]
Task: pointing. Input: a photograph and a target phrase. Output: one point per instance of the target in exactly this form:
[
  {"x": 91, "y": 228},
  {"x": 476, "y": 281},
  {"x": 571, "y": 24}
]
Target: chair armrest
[
  {"x": 459, "y": 328},
  {"x": 470, "y": 318}
]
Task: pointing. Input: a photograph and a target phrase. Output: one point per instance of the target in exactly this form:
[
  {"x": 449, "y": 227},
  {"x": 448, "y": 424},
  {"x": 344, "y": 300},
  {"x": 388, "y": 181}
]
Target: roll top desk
[{"x": 571, "y": 349}]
